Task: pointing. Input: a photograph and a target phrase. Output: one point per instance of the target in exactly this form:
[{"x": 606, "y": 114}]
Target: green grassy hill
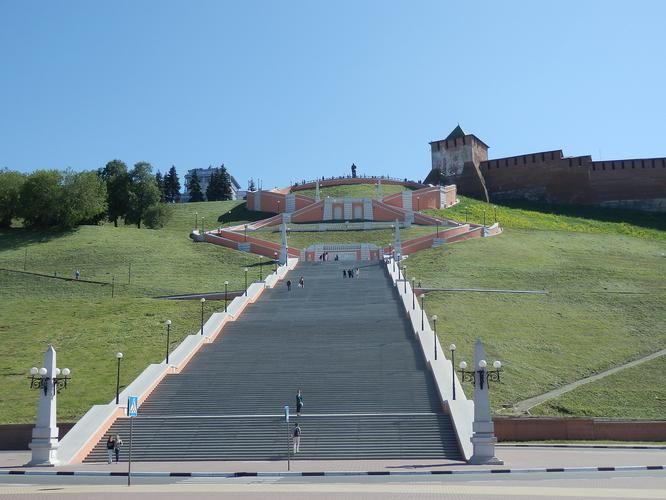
[
  {"x": 354, "y": 191},
  {"x": 605, "y": 304}
]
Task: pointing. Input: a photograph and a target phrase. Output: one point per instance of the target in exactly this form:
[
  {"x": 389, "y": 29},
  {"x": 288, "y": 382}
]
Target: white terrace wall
[{"x": 461, "y": 409}]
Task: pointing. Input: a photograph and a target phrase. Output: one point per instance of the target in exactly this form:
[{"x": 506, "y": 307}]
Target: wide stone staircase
[{"x": 344, "y": 342}]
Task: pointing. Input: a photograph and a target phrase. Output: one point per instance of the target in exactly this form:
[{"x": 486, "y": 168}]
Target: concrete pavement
[{"x": 515, "y": 458}]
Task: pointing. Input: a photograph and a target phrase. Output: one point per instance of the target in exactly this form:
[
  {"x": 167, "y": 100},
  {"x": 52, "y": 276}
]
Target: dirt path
[{"x": 524, "y": 406}]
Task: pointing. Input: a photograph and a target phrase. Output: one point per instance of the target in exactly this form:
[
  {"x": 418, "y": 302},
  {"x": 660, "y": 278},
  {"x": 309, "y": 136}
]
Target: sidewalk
[{"x": 544, "y": 457}]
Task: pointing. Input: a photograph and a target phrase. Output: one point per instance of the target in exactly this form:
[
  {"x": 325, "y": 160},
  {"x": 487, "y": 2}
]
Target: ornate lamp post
[
  {"x": 434, "y": 331},
  {"x": 168, "y": 325},
  {"x": 413, "y": 294},
  {"x": 404, "y": 277},
  {"x": 246, "y": 281},
  {"x": 422, "y": 311},
  {"x": 203, "y": 301},
  {"x": 49, "y": 380},
  {"x": 119, "y": 357},
  {"x": 203, "y": 231},
  {"x": 483, "y": 439},
  {"x": 276, "y": 261},
  {"x": 226, "y": 285},
  {"x": 196, "y": 220},
  {"x": 452, "y": 348},
  {"x": 418, "y": 203}
]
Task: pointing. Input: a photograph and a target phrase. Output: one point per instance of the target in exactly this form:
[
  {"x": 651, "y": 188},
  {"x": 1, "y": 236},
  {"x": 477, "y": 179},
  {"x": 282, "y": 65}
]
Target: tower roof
[{"x": 457, "y": 133}]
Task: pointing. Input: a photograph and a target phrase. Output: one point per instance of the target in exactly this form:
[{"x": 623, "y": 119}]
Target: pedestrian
[
  {"x": 301, "y": 282},
  {"x": 344, "y": 273},
  {"x": 357, "y": 272},
  {"x": 288, "y": 285},
  {"x": 116, "y": 446},
  {"x": 297, "y": 438},
  {"x": 77, "y": 274},
  {"x": 299, "y": 403},
  {"x": 350, "y": 273},
  {"x": 110, "y": 445},
  {"x": 337, "y": 257}
]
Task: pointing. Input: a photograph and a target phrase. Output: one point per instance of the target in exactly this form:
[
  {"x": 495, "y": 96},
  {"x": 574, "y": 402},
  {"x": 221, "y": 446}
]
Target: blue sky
[{"x": 282, "y": 91}]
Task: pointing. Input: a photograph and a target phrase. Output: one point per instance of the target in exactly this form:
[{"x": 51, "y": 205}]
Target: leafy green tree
[
  {"x": 172, "y": 186},
  {"x": 158, "y": 215},
  {"x": 82, "y": 199},
  {"x": 40, "y": 198},
  {"x": 143, "y": 194},
  {"x": 117, "y": 181},
  {"x": 10, "y": 195},
  {"x": 159, "y": 180},
  {"x": 194, "y": 188}
]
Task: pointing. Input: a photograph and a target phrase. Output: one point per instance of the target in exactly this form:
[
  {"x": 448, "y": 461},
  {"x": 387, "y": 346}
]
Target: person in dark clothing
[
  {"x": 344, "y": 273},
  {"x": 297, "y": 438},
  {"x": 299, "y": 402},
  {"x": 288, "y": 285}
]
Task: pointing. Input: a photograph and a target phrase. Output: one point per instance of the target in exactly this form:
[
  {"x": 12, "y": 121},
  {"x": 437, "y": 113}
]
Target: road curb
[{"x": 332, "y": 473}]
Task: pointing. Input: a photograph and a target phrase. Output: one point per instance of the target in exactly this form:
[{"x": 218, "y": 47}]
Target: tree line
[{"x": 66, "y": 199}]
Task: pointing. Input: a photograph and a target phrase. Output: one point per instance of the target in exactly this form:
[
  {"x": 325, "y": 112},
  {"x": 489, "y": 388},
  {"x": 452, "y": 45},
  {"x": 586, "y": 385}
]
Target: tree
[
  {"x": 10, "y": 195},
  {"x": 117, "y": 181},
  {"x": 159, "y": 180},
  {"x": 227, "y": 193},
  {"x": 158, "y": 215},
  {"x": 143, "y": 194},
  {"x": 40, "y": 198},
  {"x": 194, "y": 188},
  {"x": 82, "y": 199},
  {"x": 172, "y": 186}
]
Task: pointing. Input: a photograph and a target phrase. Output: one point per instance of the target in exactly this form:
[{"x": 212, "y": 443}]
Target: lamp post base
[
  {"x": 44, "y": 446},
  {"x": 484, "y": 450}
]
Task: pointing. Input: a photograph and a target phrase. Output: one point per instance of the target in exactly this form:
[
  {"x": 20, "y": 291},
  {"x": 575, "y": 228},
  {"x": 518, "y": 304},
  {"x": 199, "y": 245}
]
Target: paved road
[{"x": 610, "y": 485}]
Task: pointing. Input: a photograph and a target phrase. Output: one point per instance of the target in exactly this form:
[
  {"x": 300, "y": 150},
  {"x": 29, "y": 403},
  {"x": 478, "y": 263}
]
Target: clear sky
[{"x": 287, "y": 90}]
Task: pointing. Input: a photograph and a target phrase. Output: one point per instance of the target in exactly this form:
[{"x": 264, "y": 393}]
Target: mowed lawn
[
  {"x": 631, "y": 393},
  {"x": 606, "y": 301},
  {"x": 81, "y": 319}
]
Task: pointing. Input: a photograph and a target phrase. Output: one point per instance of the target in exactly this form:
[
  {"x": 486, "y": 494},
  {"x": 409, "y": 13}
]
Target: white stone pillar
[
  {"x": 483, "y": 439},
  {"x": 44, "y": 444}
]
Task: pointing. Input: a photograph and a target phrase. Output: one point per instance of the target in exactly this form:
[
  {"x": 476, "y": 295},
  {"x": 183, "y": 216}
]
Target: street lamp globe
[
  {"x": 434, "y": 317},
  {"x": 34, "y": 371},
  {"x": 167, "y": 322},
  {"x": 203, "y": 300},
  {"x": 482, "y": 364},
  {"x": 452, "y": 347},
  {"x": 463, "y": 365},
  {"x": 225, "y": 284},
  {"x": 57, "y": 371},
  {"x": 66, "y": 372},
  {"x": 497, "y": 364},
  {"x": 119, "y": 355},
  {"x": 42, "y": 371}
]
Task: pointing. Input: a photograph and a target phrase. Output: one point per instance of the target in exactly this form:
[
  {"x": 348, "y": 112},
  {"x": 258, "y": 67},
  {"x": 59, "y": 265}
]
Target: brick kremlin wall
[{"x": 549, "y": 176}]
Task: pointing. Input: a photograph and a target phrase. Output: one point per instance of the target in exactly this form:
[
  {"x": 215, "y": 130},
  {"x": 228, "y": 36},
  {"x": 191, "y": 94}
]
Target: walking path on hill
[{"x": 524, "y": 406}]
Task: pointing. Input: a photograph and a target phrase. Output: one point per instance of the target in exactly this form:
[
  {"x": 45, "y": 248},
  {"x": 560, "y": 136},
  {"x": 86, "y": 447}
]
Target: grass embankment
[
  {"x": 354, "y": 191},
  {"x": 632, "y": 393},
  {"x": 84, "y": 323},
  {"x": 605, "y": 304}
]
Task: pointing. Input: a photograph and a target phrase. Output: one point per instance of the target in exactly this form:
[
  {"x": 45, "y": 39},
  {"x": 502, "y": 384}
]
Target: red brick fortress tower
[{"x": 456, "y": 160}]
